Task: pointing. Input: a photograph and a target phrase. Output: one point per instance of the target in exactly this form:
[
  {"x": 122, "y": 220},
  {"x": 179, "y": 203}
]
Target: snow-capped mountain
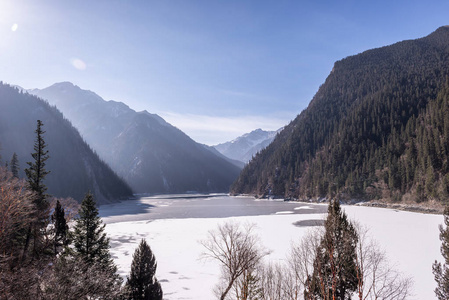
[
  {"x": 149, "y": 153},
  {"x": 246, "y": 146}
]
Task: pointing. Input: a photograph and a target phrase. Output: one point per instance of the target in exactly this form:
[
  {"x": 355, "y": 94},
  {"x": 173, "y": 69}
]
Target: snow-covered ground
[{"x": 410, "y": 240}]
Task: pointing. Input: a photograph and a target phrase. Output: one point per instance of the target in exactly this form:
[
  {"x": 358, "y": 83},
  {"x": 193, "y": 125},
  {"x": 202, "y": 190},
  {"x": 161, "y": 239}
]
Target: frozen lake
[
  {"x": 173, "y": 225},
  {"x": 201, "y": 206}
]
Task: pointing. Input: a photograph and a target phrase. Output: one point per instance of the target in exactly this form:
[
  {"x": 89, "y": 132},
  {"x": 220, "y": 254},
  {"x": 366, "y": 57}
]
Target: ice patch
[{"x": 303, "y": 207}]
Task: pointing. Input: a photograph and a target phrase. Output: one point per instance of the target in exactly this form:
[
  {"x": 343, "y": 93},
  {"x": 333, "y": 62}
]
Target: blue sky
[{"x": 214, "y": 69}]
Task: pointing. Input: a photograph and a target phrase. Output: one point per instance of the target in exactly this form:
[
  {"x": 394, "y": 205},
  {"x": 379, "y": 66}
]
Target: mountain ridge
[
  {"x": 244, "y": 147},
  {"x": 149, "y": 153},
  {"x": 74, "y": 168},
  {"x": 355, "y": 137}
]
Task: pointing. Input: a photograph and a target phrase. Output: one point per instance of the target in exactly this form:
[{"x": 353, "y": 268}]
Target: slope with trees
[
  {"x": 149, "y": 153},
  {"x": 377, "y": 128},
  {"x": 75, "y": 168}
]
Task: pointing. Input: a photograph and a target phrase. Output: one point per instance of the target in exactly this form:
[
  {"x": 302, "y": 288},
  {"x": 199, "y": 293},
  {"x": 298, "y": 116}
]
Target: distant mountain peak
[
  {"x": 63, "y": 84},
  {"x": 244, "y": 147}
]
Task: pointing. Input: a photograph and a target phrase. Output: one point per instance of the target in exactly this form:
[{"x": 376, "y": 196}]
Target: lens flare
[{"x": 78, "y": 64}]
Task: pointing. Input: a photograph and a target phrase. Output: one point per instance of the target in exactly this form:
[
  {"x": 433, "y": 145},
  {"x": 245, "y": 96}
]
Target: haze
[{"x": 214, "y": 69}]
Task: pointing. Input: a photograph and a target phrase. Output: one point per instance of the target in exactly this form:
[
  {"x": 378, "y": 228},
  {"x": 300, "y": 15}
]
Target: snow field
[{"x": 410, "y": 240}]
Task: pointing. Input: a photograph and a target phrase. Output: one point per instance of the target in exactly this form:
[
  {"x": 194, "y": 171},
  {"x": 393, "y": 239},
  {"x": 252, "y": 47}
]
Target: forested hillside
[
  {"x": 377, "y": 128},
  {"x": 74, "y": 168},
  {"x": 149, "y": 153}
]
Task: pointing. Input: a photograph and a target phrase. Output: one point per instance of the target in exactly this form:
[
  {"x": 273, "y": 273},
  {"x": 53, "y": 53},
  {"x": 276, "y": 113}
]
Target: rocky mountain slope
[
  {"x": 149, "y": 153},
  {"x": 246, "y": 146},
  {"x": 74, "y": 168}
]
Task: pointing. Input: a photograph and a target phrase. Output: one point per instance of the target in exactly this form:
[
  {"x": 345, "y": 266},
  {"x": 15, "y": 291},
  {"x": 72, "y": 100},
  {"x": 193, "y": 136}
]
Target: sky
[{"x": 214, "y": 69}]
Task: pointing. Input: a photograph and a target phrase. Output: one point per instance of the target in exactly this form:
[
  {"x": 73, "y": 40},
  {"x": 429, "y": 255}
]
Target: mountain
[
  {"x": 378, "y": 128},
  {"x": 235, "y": 162},
  {"x": 149, "y": 153},
  {"x": 246, "y": 146},
  {"x": 74, "y": 168}
]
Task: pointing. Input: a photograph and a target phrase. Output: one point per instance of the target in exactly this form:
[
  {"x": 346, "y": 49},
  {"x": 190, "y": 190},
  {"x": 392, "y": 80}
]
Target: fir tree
[
  {"x": 60, "y": 227},
  {"x": 36, "y": 172},
  {"x": 35, "y": 178},
  {"x": 441, "y": 271},
  {"x": 89, "y": 239},
  {"x": 14, "y": 165},
  {"x": 335, "y": 274},
  {"x": 142, "y": 283}
]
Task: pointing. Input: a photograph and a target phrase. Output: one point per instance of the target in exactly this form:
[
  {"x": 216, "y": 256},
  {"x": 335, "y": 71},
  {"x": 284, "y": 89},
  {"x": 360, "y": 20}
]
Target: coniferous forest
[{"x": 378, "y": 128}]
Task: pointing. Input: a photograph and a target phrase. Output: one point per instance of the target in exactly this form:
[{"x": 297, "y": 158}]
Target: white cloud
[{"x": 212, "y": 130}]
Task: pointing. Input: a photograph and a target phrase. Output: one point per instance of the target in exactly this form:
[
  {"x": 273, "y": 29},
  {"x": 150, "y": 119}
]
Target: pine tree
[
  {"x": 89, "y": 239},
  {"x": 36, "y": 172},
  {"x": 142, "y": 283},
  {"x": 335, "y": 274},
  {"x": 14, "y": 165},
  {"x": 441, "y": 271},
  {"x": 60, "y": 227},
  {"x": 35, "y": 178}
]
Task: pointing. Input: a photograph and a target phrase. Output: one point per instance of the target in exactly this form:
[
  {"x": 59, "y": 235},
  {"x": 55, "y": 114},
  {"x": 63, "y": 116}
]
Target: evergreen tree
[
  {"x": 142, "y": 283},
  {"x": 14, "y": 165},
  {"x": 35, "y": 178},
  {"x": 335, "y": 272},
  {"x": 441, "y": 271},
  {"x": 60, "y": 227},
  {"x": 89, "y": 239},
  {"x": 36, "y": 172}
]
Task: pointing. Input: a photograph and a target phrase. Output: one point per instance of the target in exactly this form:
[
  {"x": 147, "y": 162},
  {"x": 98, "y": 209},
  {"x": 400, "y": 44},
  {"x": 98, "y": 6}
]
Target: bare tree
[
  {"x": 247, "y": 286},
  {"x": 273, "y": 281},
  {"x": 237, "y": 249},
  {"x": 376, "y": 278},
  {"x": 301, "y": 261},
  {"x": 73, "y": 278},
  {"x": 288, "y": 280},
  {"x": 16, "y": 213}
]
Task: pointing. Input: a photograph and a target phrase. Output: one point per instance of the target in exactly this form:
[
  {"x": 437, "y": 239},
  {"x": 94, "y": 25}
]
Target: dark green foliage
[
  {"x": 441, "y": 271},
  {"x": 377, "y": 128},
  {"x": 60, "y": 227},
  {"x": 335, "y": 268},
  {"x": 14, "y": 165},
  {"x": 36, "y": 172},
  {"x": 142, "y": 283},
  {"x": 89, "y": 239}
]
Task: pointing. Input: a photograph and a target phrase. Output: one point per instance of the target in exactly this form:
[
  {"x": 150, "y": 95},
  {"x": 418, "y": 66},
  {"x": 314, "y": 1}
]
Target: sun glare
[
  {"x": 14, "y": 27},
  {"x": 78, "y": 64}
]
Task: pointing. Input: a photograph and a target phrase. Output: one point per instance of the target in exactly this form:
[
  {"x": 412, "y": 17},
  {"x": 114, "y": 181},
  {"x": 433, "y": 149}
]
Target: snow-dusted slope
[
  {"x": 246, "y": 146},
  {"x": 149, "y": 153}
]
